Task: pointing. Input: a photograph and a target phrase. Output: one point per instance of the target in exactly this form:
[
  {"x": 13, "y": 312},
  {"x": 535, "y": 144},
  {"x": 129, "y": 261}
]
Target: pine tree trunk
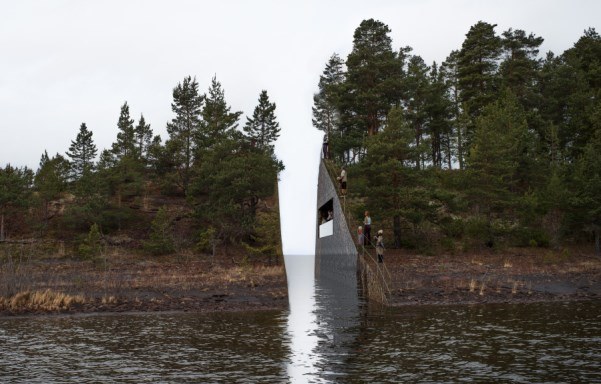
[
  {"x": 396, "y": 225},
  {"x": 597, "y": 241},
  {"x": 119, "y": 206},
  {"x": 2, "y": 227}
]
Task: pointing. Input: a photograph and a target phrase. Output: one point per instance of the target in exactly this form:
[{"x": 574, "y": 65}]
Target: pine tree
[
  {"x": 519, "y": 69},
  {"x": 571, "y": 85},
  {"x": 372, "y": 83},
  {"x": 50, "y": 181},
  {"x": 82, "y": 153},
  {"x": 91, "y": 247},
  {"x": 15, "y": 192},
  {"x": 477, "y": 66},
  {"x": 160, "y": 241},
  {"x": 125, "y": 144},
  {"x": 184, "y": 129},
  {"x": 326, "y": 114},
  {"x": 263, "y": 129},
  {"x": 388, "y": 170},
  {"x": 158, "y": 158},
  {"x": 438, "y": 109},
  {"x": 500, "y": 162},
  {"x": 417, "y": 88},
  {"x": 585, "y": 199},
  {"x": 143, "y": 138},
  {"x": 218, "y": 122},
  {"x": 450, "y": 72},
  {"x": 232, "y": 179}
]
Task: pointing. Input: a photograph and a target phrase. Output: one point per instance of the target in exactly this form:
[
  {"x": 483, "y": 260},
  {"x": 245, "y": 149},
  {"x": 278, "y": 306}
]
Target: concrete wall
[{"x": 336, "y": 255}]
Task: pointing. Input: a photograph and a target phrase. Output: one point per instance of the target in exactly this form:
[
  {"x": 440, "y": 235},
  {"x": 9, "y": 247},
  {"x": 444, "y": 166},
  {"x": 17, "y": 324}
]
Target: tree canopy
[{"x": 487, "y": 147}]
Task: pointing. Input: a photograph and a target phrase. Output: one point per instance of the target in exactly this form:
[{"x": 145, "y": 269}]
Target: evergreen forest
[
  {"x": 497, "y": 146},
  {"x": 212, "y": 184}
]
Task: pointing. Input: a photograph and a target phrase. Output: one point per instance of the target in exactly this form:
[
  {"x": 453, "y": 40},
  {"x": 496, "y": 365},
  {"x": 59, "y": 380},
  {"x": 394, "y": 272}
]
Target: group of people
[
  {"x": 363, "y": 232},
  {"x": 364, "y": 237}
]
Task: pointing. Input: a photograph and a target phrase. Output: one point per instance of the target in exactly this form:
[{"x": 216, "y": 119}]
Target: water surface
[{"x": 328, "y": 335}]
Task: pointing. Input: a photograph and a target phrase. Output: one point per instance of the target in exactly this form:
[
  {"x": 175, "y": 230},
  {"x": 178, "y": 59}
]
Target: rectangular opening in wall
[{"x": 326, "y": 219}]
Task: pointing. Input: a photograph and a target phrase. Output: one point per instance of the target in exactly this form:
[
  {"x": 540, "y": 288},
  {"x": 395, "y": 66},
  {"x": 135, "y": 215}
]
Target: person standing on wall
[
  {"x": 380, "y": 246},
  {"x": 326, "y": 149},
  {"x": 367, "y": 228},
  {"x": 342, "y": 180}
]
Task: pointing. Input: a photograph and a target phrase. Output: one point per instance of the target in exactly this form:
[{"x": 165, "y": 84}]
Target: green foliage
[
  {"x": 15, "y": 193},
  {"x": 125, "y": 146},
  {"x": 585, "y": 199},
  {"x": 477, "y": 67},
  {"x": 519, "y": 69},
  {"x": 522, "y": 131},
  {"x": 50, "y": 182},
  {"x": 183, "y": 130},
  {"x": 499, "y": 159},
  {"x": 84, "y": 213},
  {"x": 266, "y": 240},
  {"x": 231, "y": 175},
  {"x": 91, "y": 246},
  {"x": 218, "y": 122},
  {"x": 326, "y": 114},
  {"x": 160, "y": 241},
  {"x": 52, "y": 176},
  {"x": 263, "y": 129},
  {"x": 231, "y": 181},
  {"x": 82, "y": 153},
  {"x": 143, "y": 139},
  {"x": 531, "y": 237},
  {"x": 371, "y": 87},
  {"x": 208, "y": 241}
]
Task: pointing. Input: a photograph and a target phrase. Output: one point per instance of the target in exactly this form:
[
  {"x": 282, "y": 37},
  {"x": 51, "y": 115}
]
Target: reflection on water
[
  {"x": 328, "y": 335},
  {"x": 302, "y": 324}
]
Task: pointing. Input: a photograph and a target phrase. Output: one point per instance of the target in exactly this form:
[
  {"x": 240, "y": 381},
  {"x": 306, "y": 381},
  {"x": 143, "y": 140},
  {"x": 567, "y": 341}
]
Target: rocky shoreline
[
  {"x": 67, "y": 286},
  {"x": 487, "y": 277},
  {"x": 73, "y": 287}
]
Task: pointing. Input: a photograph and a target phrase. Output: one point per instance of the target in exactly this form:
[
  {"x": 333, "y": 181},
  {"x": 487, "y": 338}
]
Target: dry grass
[
  {"x": 519, "y": 274},
  {"x": 28, "y": 284},
  {"x": 515, "y": 286},
  {"x": 482, "y": 288},
  {"x": 473, "y": 285},
  {"x": 50, "y": 281},
  {"x": 109, "y": 300},
  {"x": 47, "y": 301}
]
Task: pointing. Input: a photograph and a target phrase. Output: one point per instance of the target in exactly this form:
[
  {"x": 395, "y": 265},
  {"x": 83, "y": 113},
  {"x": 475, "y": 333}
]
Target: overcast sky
[{"x": 67, "y": 62}]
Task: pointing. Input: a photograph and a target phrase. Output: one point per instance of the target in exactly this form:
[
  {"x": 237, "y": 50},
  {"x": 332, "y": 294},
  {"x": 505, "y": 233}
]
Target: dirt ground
[
  {"x": 128, "y": 284},
  {"x": 508, "y": 276},
  {"x": 122, "y": 283}
]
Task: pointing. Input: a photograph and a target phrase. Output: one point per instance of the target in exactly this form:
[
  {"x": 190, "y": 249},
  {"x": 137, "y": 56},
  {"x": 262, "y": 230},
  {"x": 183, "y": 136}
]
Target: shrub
[
  {"x": 161, "y": 235},
  {"x": 91, "y": 247}
]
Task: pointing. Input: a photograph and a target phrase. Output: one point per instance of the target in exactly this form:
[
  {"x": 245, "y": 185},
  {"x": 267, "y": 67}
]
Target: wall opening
[{"x": 326, "y": 219}]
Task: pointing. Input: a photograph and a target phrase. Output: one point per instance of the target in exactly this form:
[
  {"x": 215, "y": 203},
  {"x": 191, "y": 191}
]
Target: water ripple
[{"x": 336, "y": 341}]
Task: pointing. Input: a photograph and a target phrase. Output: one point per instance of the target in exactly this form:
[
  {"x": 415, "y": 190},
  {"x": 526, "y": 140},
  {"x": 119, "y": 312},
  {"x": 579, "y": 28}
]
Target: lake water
[{"x": 328, "y": 335}]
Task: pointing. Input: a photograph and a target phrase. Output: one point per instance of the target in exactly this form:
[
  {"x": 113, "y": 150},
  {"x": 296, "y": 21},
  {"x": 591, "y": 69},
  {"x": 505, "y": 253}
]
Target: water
[{"x": 328, "y": 335}]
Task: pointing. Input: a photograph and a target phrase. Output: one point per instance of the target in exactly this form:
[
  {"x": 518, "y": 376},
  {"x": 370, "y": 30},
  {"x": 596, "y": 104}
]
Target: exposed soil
[
  {"x": 509, "y": 276},
  {"x": 123, "y": 283},
  {"x": 127, "y": 284}
]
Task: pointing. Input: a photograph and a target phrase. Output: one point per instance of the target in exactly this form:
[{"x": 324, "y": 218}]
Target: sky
[{"x": 67, "y": 62}]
